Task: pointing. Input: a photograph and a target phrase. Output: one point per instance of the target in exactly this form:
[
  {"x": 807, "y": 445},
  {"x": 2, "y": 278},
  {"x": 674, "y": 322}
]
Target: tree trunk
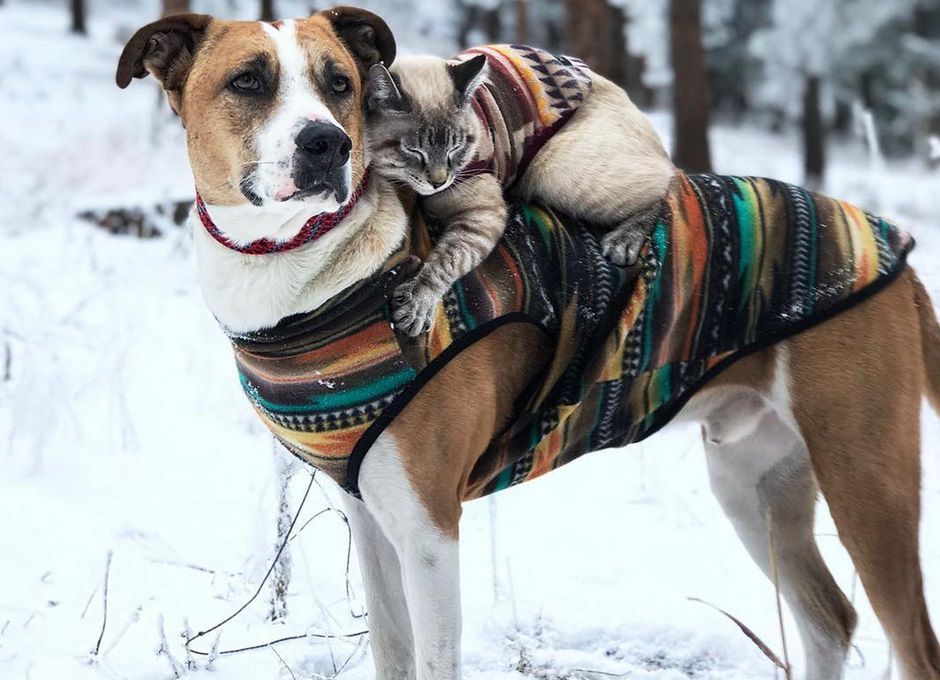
[
  {"x": 267, "y": 10},
  {"x": 689, "y": 87},
  {"x": 522, "y": 22},
  {"x": 814, "y": 136},
  {"x": 927, "y": 27},
  {"x": 594, "y": 35},
  {"x": 493, "y": 24},
  {"x": 175, "y": 7},
  {"x": 616, "y": 45},
  {"x": 468, "y": 15},
  {"x": 78, "y": 17}
]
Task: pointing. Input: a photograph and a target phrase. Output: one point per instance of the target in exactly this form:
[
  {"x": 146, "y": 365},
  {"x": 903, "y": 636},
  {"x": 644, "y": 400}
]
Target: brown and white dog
[{"x": 275, "y": 135}]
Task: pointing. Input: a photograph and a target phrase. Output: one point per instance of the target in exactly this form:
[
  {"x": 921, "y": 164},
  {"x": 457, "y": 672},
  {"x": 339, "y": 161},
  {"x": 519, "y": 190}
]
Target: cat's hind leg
[
  {"x": 606, "y": 166},
  {"x": 622, "y": 244}
]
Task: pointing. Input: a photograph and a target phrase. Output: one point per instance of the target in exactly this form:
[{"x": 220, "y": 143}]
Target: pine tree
[
  {"x": 267, "y": 10},
  {"x": 690, "y": 87},
  {"x": 77, "y": 8},
  {"x": 837, "y": 53}
]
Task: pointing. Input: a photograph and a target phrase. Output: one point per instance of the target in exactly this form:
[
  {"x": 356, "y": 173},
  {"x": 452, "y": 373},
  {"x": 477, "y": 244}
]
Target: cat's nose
[{"x": 437, "y": 177}]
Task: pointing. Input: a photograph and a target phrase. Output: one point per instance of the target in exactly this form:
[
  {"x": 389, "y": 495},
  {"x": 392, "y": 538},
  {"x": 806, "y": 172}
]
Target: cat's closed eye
[{"x": 416, "y": 153}]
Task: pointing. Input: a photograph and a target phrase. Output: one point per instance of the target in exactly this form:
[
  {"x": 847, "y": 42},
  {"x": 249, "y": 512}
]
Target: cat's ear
[
  {"x": 382, "y": 92},
  {"x": 468, "y": 75}
]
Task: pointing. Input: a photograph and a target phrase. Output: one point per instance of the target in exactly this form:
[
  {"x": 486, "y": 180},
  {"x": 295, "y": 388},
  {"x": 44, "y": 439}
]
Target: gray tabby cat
[{"x": 459, "y": 136}]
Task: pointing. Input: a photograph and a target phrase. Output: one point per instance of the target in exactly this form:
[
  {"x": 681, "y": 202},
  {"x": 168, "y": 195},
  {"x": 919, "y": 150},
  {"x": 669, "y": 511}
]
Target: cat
[{"x": 546, "y": 128}]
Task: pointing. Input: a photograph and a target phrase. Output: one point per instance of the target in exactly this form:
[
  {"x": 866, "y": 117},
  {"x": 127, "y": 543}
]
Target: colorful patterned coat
[
  {"x": 734, "y": 264},
  {"x": 528, "y": 95}
]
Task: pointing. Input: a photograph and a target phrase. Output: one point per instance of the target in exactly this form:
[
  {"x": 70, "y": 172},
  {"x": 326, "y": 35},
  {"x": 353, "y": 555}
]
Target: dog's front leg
[
  {"x": 428, "y": 555},
  {"x": 389, "y": 623}
]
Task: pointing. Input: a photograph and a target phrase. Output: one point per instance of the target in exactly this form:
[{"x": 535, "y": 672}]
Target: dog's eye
[
  {"x": 246, "y": 82},
  {"x": 340, "y": 85}
]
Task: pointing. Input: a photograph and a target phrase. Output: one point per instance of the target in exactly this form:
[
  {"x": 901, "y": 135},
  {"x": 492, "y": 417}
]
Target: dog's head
[{"x": 272, "y": 111}]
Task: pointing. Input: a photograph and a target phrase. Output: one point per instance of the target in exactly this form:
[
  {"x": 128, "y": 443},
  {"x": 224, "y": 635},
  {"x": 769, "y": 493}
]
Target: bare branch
[
  {"x": 751, "y": 635},
  {"x": 263, "y": 581},
  {"x": 164, "y": 650},
  {"x": 104, "y": 618}
]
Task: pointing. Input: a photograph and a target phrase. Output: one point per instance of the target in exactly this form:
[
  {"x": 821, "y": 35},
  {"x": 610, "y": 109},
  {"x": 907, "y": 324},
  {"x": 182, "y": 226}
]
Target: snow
[{"x": 124, "y": 431}]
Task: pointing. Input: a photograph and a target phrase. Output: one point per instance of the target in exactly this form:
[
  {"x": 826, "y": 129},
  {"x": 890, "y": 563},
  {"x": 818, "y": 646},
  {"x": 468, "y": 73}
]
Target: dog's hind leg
[
  {"x": 429, "y": 559},
  {"x": 857, "y": 385},
  {"x": 760, "y": 472},
  {"x": 389, "y": 625}
]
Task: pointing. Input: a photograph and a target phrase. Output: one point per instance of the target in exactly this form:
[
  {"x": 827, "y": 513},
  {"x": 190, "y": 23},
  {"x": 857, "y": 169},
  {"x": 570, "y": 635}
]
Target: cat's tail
[{"x": 930, "y": 339}]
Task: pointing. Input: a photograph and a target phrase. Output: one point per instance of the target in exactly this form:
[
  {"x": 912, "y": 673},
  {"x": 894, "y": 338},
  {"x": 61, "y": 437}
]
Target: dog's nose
[{"x": 324, "y": 145}]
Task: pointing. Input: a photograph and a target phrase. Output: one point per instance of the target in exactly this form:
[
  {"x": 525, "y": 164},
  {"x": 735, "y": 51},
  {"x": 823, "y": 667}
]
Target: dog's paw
[
  {"x": 622, "y": 245},
  {"x": 413, "y": 307}
]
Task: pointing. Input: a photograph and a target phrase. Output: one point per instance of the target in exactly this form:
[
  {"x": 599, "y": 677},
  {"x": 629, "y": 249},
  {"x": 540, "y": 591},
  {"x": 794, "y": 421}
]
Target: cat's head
[{"x": 421, "y": 128}]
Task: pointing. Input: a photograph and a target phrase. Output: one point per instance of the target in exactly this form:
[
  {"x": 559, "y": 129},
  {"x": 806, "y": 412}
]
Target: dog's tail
[{"x": 930, "y": 339}]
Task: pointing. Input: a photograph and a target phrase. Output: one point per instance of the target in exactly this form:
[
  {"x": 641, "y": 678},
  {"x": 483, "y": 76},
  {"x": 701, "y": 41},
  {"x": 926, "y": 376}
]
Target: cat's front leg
[
  {"x": 473, "y": 214},
  {"x": 413, "y": 305}
]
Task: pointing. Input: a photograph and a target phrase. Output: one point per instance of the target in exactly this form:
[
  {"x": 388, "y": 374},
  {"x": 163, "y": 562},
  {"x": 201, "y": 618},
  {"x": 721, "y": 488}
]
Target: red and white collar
[{"x": 317, "y": 226}]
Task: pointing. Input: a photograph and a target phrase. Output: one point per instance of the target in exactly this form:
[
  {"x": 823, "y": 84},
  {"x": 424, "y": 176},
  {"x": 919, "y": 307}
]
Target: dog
[{"x": 274, "y": 129}]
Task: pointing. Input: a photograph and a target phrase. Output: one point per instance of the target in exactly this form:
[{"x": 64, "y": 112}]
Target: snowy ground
[{"x": 124, "y": 432}]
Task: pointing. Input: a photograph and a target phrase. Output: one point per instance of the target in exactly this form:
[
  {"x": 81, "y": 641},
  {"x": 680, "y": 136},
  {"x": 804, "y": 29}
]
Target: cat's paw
[
  {"x": 413, "y": 305},
  {"x": 622, "y": 245}
]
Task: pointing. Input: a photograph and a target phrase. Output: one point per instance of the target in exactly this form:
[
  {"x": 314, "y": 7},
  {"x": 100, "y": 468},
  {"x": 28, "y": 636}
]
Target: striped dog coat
[{"x": 733, "y": 265}]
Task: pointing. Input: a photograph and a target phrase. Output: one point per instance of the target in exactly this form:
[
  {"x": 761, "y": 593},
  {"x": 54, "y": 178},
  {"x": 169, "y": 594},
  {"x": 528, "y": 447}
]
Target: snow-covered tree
[{"x": 814, "y": 55}]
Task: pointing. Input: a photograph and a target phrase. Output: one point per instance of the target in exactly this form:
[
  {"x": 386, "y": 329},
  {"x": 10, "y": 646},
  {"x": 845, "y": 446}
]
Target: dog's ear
[
  {"x": 381, "y": 92},
  {"x": 366, "y": 35},
  {"x": 468, "y": 75},
  {"x": 164, "y": 48}
]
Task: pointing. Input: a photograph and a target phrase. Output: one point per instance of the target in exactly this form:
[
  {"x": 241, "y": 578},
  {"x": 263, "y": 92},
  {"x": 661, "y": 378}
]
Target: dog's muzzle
[{"x": 320, "y": 161}]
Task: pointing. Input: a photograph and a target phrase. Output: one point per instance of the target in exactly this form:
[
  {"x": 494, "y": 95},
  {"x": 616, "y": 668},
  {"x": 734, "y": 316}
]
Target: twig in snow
[
  {"x": 164, "y": 650},
  {"x": 284, "y": 663},
  {"x": 90, "y": 598},
  {"x": 342, "y": 516},
  {"x": 607, "y": 674},
  {"x": 187, "y": 634},
  {"x": 280, "y": 583},
  {"x": 787, "y": 669},
  {"x": 134, "y": 618},
  {"x": 289, "y": 638},
  {"x": 7, "y": 361},
  {"x": 493, "y": 552},
  {"x": 104, "y": 618},
  {"x": 357, "y": 650},
  {"x": 750, "y": 634},
  {"x": 195, "y": 567},
  {"x": 266, "y": 576},
  {"x": 213, "y": 652},
  {"x": 349, "y": 541}
]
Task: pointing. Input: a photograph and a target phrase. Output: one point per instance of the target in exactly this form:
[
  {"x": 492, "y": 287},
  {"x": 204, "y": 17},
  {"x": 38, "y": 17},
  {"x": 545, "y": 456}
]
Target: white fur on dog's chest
[{"x": 251, "y": 292}]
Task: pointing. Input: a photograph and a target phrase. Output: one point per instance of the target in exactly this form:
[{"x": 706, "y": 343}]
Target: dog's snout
[{"x": 324, "y": 144}]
